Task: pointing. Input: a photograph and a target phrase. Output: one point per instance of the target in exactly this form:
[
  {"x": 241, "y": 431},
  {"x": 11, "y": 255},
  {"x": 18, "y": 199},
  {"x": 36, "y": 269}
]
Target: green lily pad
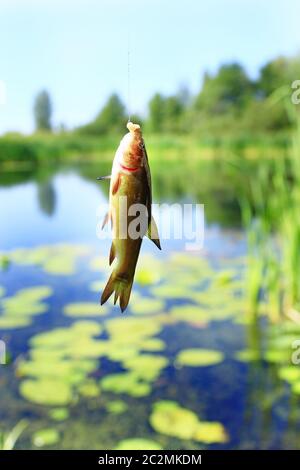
[
  {"x": 191, "y": 314},
  {"x": 97, "y": 286},
  {"x": 146, "y": 277},
  {"x": 296, "y": 388},
  {"x": 116, "y": 407},
  {"x": 146, "y": 366},
  {"x": 147, "y": 306},
  {"x": 152, "y": 344},
  {"x": 45, "y": 437},
  {"x": 57, "y": 259},
  {"x": 171, "y": 419},
  {"x": 127, "y": 383},
  {"x": 89, "y": 389},
  {"x": 248, "y": 355},
  {"x": 9, "y": 323},
  {"x": 60, "y": 266},
  {"x": 59, "y": 414},
  {"x": 210, "y": 433},
  {"x": 44, "y": 391},
  {"x": 199, "y": 357},
  {"x": 168, "y": 291},
  {"x": 85, "y": 309},
  {"x": 138, "y": 444},
  {"x": 17, "y": 310},
  {"x": 290, "y": 374},
  {"x": 132, "y": 330},
  {"x": 61, "y": 361}
]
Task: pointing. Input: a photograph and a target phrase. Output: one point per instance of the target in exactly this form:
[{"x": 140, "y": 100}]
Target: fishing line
[{"x": 128, "y": 78}]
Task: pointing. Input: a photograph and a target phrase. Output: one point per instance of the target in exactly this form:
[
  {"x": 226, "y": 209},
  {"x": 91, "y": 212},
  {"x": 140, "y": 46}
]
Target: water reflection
[{"x": 47, "y": 197}]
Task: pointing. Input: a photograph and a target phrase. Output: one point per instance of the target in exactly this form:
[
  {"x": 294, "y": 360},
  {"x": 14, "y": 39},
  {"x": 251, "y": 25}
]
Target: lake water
[{"x": 99, "y": 377}]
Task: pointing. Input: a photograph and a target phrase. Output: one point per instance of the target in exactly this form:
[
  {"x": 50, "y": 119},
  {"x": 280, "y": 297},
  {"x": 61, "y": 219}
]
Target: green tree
[
  {"x": 228, "y": 91},
  {"x": 279, "y": 72},
  {"x": 111, "y": 119},
  {"x": 156, "y": 113},
  {"x": 173, "y": 110},
  {"x": 43, "y": 111}
]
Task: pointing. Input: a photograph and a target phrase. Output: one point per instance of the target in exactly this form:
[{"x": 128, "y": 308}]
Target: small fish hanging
[{"x": 130, "y": 179}]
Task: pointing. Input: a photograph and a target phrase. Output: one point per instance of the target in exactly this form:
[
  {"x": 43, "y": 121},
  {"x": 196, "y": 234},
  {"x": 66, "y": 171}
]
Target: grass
[
  {"x": 51, "y": 148},
  {"x": 8, "y": 440},
  {"x": 270, "y": 213}
]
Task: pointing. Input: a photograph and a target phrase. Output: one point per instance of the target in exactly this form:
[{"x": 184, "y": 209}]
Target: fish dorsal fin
[
  {"x": 152, "y": 233},
  {"x": 112, "y": 253}
]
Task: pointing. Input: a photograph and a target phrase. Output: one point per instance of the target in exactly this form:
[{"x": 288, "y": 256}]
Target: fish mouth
[{"x": 134, "y": 128}]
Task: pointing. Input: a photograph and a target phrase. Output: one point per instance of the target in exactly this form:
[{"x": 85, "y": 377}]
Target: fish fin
[
  {"x": 102, "y": 178},
  {"x": 105, "y": 220},
  {"x": 112, "y": 253},
  {"x": 116, "y": 184},
  {"x": 152, "y": 233},
  {"x": 121, "y": 286}
]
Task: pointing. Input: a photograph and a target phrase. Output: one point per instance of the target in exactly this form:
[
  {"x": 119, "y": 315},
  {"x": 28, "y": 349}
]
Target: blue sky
[{"x": 77, "y": 49}]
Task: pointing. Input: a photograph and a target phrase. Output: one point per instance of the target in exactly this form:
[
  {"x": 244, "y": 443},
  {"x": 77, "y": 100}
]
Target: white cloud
[{"x": 2, "y": 92}]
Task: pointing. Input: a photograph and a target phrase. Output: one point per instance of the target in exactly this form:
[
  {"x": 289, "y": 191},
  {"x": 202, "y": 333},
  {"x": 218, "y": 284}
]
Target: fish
[{"x": 130, "y": 184}]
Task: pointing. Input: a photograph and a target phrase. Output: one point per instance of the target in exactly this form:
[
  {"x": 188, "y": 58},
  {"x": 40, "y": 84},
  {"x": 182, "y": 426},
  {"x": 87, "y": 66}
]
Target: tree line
[{"x": 228, "y": 101}]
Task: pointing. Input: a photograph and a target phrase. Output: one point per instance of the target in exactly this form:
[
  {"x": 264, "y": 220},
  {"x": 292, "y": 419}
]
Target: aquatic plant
[
  {"x": 45, "y": 391},
  {"x": 138, "y": 444},
  {"x": 125, "y": 383},
  {"x": 60, "y": 363},
  {"x": 18, "y": 310},
  {"x": 116, "y": 407},
  {"x": 270, "y": 215},
  {"x": 45, "y": 437},
  {"x": 85, "y": 309},
  {"x": 8, "y": 440},
  {"x": 59, "y": 259},
  {"x": 147, "y": 306},
  {"x": 198, "y": 357},
  {"x": 59, "y": 414},
  {"x": 169, "y": 418}
]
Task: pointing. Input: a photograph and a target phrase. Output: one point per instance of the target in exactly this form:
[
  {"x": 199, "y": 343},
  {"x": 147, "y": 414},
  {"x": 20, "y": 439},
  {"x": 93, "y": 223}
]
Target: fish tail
[{"x": 121, "y": 285}]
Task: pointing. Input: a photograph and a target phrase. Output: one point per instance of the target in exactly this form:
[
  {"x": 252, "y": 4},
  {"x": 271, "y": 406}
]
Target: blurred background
[{"x": 207, "y": 354}]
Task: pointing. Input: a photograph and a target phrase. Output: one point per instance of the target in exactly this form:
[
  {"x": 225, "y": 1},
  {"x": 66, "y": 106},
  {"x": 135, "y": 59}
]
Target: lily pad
[
  {"x": 85, "y": 309},
  {"x": 127, "y": 383},
  {"x": 97, "y": 286},
  {"x": 44, "y": 391},
  {"x": 147, "y": 306},
  {"x": 89, "y": 389},
  {"x": 199, "y": 357},
  {"x": 59, "y": 414},
  {"x": 248, "y": 355},
  {"x": 18, "y": 309},
  {"x": 138, "y": 444},
  {"x": 191, "y": 314},
  {"x": 146, "y": 366},
  {"x": 45, "y": 437},
  {"x": 170, "y": 418},
  {"x": 116, "y": 407}
]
